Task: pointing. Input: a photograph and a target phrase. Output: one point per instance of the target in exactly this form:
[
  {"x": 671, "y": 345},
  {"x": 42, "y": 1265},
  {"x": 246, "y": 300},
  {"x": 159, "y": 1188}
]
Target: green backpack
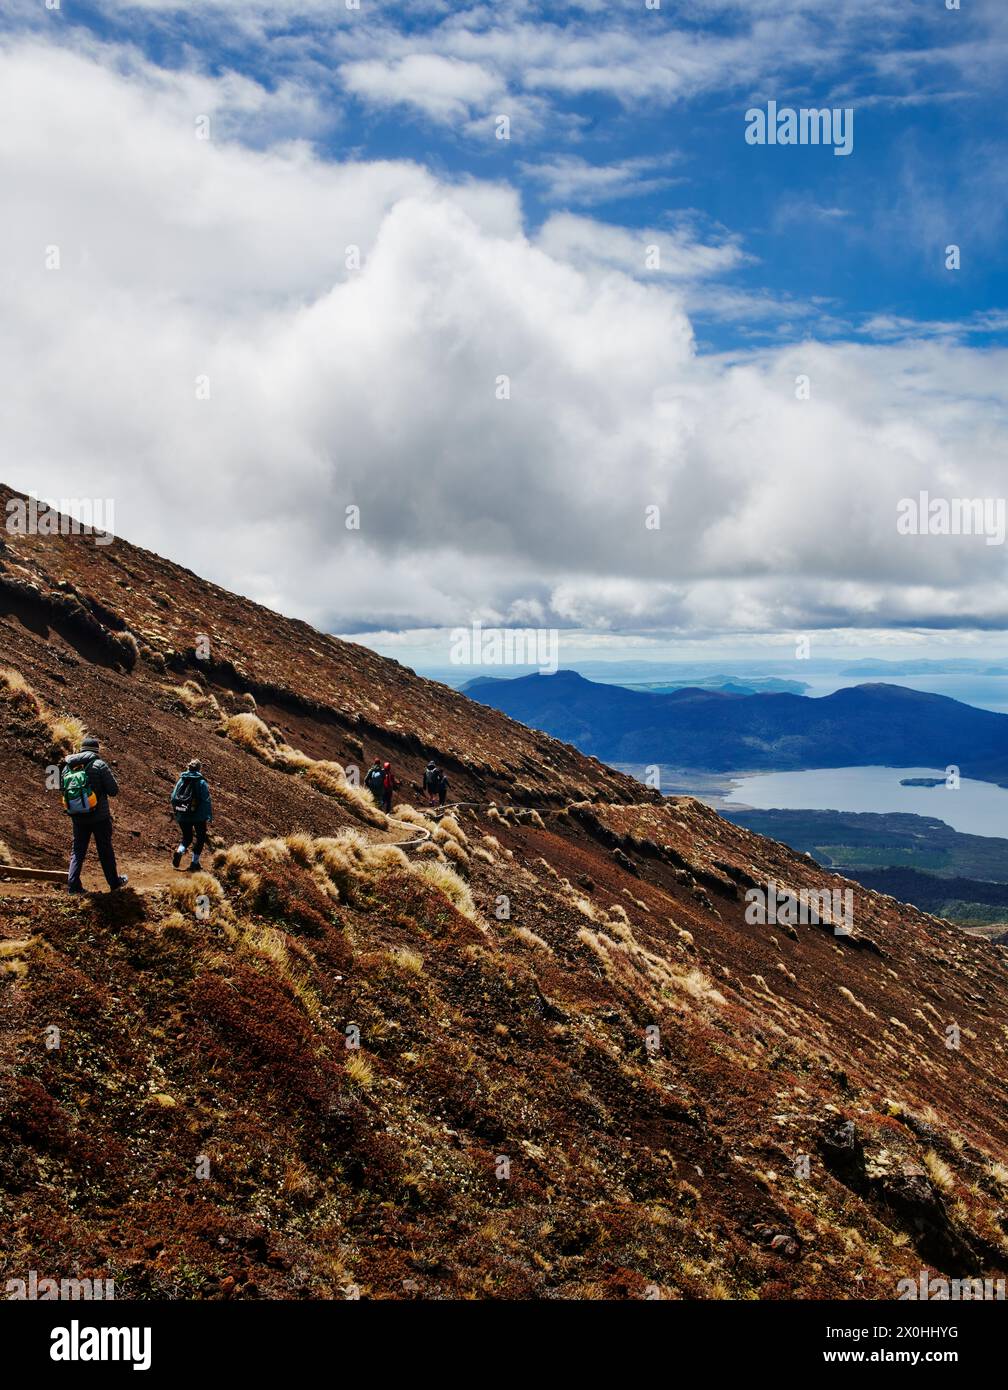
[{"x": 78, "y": 798}]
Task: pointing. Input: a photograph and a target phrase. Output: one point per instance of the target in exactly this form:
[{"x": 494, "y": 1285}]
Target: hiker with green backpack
[
  {"x": 87, "y": 783},
  {"x": 193, "y": 810}
]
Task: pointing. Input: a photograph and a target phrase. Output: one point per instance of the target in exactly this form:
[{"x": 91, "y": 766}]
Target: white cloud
[
  {"x": 377, "y": 388},
  {"x": 571, "y": 179},
  {"x": 544, "y": 54},
  {"x": 590, "y": 244},
  {"x": 446, "y": 89}
]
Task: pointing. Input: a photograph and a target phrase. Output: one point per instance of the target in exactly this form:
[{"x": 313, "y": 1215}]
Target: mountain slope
[
  {"x": 718, "y": 732},
  {"x": 540, "y": 1050}
]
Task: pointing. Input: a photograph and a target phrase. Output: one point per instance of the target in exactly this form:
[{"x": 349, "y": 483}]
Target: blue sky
[
  {"x": 630, "y": 386},
  {"x": 843, "y": 247}
]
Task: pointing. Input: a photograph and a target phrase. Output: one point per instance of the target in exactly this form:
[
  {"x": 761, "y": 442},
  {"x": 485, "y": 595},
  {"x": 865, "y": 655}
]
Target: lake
[{"x": 976, "y": 808}]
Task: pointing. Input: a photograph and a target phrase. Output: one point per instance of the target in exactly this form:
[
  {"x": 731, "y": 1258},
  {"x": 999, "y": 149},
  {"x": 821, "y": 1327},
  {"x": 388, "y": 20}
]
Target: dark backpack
[
  {"x": 184, "y": 800},
  {"x": 79, "y": 798}
]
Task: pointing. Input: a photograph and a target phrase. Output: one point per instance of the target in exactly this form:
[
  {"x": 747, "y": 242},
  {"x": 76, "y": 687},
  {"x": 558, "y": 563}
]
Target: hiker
[
  {"x": 194, "y": 811},
  {"x": 373, "y": 781},
  {"x": 388, "y": 786},
  {"x": 435, "y": 783},
  {"x": 87, "y": 783}
]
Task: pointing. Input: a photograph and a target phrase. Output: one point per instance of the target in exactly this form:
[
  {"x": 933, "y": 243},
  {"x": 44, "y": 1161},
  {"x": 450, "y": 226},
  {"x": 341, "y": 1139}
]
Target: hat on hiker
[
  {"x": 90, "y": 744},
  {"x": 194, "y": 764}
]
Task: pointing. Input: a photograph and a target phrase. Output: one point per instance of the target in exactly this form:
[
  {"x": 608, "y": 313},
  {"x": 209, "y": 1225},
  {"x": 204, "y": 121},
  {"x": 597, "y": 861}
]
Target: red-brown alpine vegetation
[{"x": 533, "y": 1049}]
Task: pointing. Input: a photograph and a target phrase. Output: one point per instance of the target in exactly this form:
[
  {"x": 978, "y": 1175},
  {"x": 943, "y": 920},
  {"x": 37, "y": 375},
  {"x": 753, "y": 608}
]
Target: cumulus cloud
[{"x": 502, "y": 409}]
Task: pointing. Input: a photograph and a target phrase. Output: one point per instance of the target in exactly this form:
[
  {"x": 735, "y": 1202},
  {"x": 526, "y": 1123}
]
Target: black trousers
[
  {"x": 191, "y": 828},
  {"x": 82, "y": 833}
]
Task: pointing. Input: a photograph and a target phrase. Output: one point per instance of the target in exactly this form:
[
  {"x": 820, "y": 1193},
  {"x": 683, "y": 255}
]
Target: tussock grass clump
[
  {"x": 249, "y": 731},
  {"x": 530, "y": 938},
  {"x": 698, "y": 986},
  {"x": 853, "y": 999},
  {"x": 455, "y": 854},
  {"x": 447, "y": 835},
  {"x": 65, "y": 732},
  {"x": 451, "y": 827},
  {"x": 270, "y": 947},
  {"x": 629, "y": 964},
  {"x": 5, "y": 855},
  {"x": 410, "y": 961},
  {"x": 18, "y": 689},
  {"x": 197, "y": 701},
  {"x": 268, "y": 745},
  {"x": 194, "y": 892},
  {"x": 454, "y": 888},
  {"x": 999, "y": 1173},
  {"x": 297, "y": 880},
  {"x": 302, "y": 848},
  {"x": 278, "y": 883},
  {"x": 350, "y": 860},
  {"x": 636, "y": 901},
  {"x": 359, "y": 1070},
  {"x": 939, "y": 1172},
  {"x": 129, "y": 648}
]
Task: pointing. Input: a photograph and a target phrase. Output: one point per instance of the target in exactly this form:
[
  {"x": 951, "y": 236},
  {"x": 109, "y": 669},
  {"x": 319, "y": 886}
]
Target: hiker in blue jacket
[
  {"x": 194, "y": 811},
  {"x": 87, "y": 783}
]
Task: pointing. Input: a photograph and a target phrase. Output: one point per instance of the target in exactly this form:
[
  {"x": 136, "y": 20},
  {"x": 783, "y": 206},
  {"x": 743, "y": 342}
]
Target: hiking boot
[
  {"x": 195, "y": 867},
  {"x": 75, "y": 889},
  {"x": 176, "y": 858},
  {"x": 122, "y": 882}
]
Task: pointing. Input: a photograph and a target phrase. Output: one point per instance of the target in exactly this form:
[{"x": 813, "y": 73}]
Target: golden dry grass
[
  {"x": 455, "y": 889},
  {"x": 999, "y": 1173},
  {"x": 939, "y": 1171},
  {"x": 251, "y": 733},
  {"x": 197, "y": 701},
  {"x": 359, "y": 1070},
  {"x": 196, "y": 892},
  {"x": 16, "y": 685},
  {"x": 65, "y": 732},
  {"x": 410, "y": 961}
]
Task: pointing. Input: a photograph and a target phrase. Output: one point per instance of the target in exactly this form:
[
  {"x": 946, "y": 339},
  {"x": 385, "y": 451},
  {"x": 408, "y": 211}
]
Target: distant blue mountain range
[{"x": 716, "y": 731}]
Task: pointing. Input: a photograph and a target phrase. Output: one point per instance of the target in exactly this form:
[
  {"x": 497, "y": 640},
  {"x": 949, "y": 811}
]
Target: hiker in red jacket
[{"x": 389, "y": 783}]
